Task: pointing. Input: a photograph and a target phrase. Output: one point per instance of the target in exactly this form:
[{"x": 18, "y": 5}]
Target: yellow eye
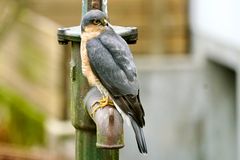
[{"x": 96, "y": 22}]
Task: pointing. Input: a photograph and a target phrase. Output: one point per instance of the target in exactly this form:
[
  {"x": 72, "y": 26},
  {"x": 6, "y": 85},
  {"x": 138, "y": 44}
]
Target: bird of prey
[{"x": 107, "y": 63}]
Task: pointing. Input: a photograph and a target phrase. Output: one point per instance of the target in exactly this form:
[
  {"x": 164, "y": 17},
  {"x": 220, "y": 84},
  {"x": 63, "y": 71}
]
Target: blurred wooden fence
[
  {"x": 31, "y": 61},
  {"x": 163, "y": 24}
]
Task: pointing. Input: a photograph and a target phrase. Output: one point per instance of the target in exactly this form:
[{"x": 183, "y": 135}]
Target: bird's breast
[{"x": 86, "y": 68}]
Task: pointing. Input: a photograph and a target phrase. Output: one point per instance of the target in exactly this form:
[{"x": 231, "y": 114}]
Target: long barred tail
[{"x": 139, "y": 136}]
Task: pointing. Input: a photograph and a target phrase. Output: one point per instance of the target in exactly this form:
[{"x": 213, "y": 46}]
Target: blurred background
[{"x": 187, "y": 57}]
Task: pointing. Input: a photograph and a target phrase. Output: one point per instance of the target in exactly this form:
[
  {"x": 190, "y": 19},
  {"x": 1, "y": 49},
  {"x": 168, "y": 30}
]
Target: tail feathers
[{"x": 139, "y": 137}]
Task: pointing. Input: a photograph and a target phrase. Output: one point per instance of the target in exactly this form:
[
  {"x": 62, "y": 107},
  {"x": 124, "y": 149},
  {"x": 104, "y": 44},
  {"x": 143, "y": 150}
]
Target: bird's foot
[{"x": 105, "y": 101}]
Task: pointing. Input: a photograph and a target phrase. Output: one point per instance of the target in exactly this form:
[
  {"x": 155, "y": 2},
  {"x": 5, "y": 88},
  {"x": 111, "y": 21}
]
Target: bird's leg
[{"x": 105, "y": 101}]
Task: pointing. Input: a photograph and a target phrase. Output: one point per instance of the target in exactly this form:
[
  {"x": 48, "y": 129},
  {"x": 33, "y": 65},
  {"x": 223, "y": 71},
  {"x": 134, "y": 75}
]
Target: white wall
[{"x": 219, "y": 19}]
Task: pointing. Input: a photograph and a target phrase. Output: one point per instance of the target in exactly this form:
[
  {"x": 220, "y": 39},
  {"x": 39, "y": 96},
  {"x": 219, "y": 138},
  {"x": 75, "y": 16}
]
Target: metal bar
[
  {"x": 129, "y": 34},
  {"x": 84, "y": 6}
]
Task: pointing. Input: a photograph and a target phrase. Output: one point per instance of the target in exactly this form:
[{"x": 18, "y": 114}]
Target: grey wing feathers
[
  {"x": 120, "y": 52},
  {"x": 112, "y": 62},
  {"x": 109, "y": 73}
]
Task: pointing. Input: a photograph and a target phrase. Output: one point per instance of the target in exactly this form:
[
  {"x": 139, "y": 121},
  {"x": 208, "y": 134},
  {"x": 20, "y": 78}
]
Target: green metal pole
[{"x": 85, "y": 127}]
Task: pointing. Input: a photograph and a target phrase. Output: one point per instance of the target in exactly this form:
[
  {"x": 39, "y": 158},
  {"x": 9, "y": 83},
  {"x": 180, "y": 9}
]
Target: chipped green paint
[
  {"x": 80, "y": 117},
  {"x": 86, "y": 147}
]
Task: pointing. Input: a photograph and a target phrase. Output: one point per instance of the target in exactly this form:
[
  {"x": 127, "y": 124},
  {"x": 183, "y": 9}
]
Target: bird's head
[{"x": 95, "y": 19}]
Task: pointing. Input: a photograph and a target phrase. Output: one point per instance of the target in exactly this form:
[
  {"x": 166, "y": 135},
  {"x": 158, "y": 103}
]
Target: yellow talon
[{"x": 105, "y": 101}]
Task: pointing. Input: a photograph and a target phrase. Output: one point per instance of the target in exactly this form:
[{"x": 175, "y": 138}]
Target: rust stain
[{"x": 96, "y": 4}]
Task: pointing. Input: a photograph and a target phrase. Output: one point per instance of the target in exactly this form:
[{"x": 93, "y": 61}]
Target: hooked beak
[{"x": 106, "y": 23}]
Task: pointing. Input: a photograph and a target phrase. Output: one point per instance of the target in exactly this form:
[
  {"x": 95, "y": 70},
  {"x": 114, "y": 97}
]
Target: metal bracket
[{"x": 129, "y": 34}]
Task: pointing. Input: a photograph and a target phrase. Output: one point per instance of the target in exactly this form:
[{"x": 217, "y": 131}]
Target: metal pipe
[{"x": 109, "y": 123}]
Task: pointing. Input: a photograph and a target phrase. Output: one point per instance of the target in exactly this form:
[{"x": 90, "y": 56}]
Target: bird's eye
[{"x": 96, "y": 22}]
